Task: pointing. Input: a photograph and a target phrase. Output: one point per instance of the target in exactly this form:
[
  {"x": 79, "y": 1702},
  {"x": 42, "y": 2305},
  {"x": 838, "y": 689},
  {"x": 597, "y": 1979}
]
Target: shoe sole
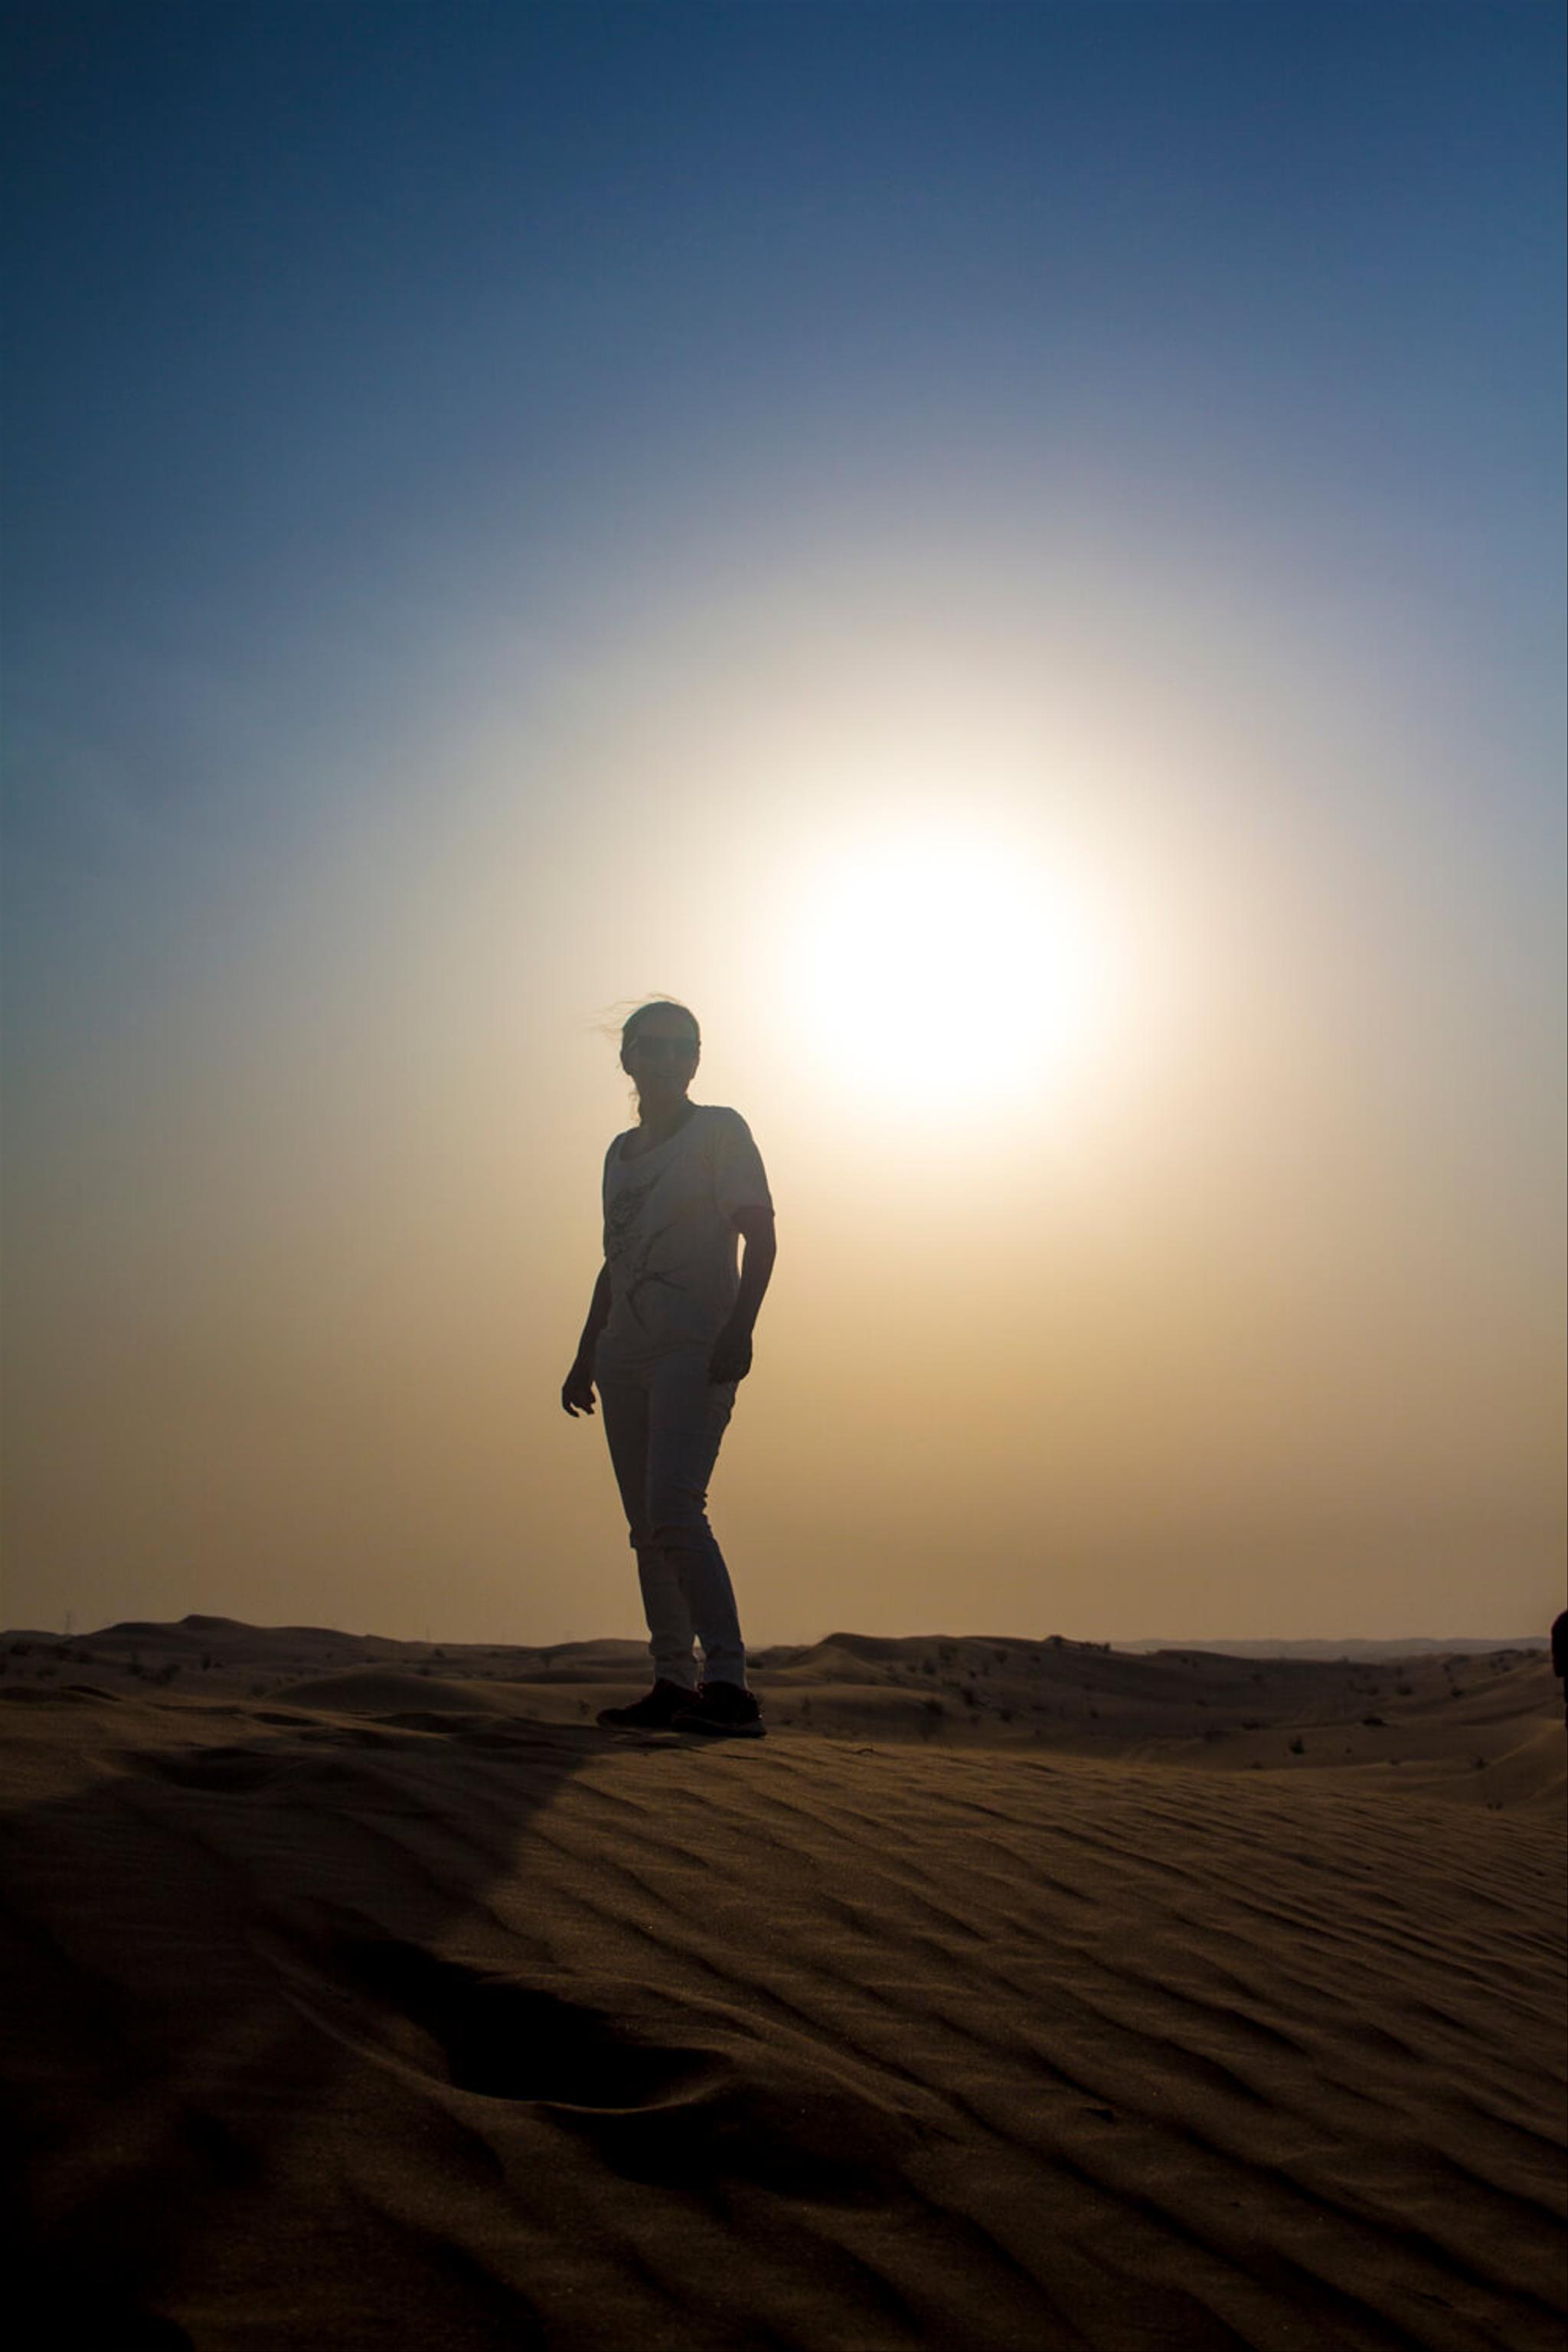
[{"x": 708, "y": 1730}]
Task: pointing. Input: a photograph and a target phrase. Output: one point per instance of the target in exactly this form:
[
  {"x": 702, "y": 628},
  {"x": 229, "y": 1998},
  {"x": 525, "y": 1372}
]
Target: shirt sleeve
[{"x": 739, "y": 1180}]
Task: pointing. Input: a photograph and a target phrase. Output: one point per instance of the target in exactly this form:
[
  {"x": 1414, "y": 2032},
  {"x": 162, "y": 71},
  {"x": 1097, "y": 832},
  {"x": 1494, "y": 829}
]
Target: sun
[{"x": 947, "y": 967}]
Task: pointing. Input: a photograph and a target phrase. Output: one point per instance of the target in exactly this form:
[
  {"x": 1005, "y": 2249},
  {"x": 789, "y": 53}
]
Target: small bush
[{"x": 1298, "y": 1746}]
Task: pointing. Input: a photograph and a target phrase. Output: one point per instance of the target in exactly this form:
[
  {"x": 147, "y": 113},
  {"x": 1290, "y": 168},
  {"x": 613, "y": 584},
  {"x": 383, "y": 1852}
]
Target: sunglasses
[{"x": 673, "y": 1049}]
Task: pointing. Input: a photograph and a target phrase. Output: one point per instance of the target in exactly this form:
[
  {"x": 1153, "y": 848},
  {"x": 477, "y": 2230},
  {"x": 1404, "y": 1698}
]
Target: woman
[{"x": 668, "y": 1337}]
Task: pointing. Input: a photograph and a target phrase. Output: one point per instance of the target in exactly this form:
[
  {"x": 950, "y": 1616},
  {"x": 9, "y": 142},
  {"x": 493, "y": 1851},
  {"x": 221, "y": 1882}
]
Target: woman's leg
[
  {"x": 624, "y": 1402},
  {"x": 687, "y": 1415}
]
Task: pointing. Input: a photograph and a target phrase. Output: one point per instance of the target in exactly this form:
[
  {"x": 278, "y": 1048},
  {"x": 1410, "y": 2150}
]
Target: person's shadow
[
  {"x": 328, "y": 2036},
  {"x": 228, "y": 1963}
]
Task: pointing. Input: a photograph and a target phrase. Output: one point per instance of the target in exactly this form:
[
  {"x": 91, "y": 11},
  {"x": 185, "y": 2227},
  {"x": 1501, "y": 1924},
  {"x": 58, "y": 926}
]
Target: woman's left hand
[{"x": 732, "y": 1357}]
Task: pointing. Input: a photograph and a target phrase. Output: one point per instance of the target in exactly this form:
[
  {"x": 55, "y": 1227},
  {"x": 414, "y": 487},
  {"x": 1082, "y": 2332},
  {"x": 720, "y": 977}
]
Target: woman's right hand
[{"x": 577, "y": 1388}]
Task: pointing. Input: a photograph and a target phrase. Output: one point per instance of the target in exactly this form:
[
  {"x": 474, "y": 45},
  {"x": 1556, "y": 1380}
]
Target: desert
[{"x": 1011, "y": 1994}]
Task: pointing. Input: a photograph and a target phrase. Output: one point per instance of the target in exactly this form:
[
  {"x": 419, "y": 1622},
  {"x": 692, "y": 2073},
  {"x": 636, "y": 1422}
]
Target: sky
[{"x": 1010, "y": 556}]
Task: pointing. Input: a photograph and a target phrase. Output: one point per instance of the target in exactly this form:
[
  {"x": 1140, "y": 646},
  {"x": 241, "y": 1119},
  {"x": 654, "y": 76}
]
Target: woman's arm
[
  {"x": 577, "y": 1388},
  {"x": 732, "y": 1357}
]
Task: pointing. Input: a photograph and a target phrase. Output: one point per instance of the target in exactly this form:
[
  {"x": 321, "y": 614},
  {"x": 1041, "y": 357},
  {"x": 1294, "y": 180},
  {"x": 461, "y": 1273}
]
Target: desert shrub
[
  {"x": 968, "y": 1696},
  {"x": 1298, "y": 1746},
  {"x": 1375, "y": 1723}
]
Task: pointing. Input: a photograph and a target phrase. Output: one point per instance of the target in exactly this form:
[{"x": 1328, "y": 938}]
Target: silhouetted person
[
  {"x": 668, "y": 1337},
  {"x": 1560, "y": 1654}
]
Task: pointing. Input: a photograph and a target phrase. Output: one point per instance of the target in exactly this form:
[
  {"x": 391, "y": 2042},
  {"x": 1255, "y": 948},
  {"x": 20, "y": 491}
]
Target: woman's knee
[{"x": 685, "y": 1529}]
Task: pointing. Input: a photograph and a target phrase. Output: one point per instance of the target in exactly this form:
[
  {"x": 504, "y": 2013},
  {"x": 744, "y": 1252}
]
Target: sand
[{"x": 1009, "y": 1994}]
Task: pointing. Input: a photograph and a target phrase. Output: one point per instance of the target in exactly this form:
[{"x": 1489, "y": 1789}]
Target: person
[{"x": 666, "y": 1343}]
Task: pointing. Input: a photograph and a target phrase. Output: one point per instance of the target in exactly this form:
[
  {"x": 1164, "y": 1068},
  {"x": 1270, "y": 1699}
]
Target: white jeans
[{"x": 664, "y": 1420}]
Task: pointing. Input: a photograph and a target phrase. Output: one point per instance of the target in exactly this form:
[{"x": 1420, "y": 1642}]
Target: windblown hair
[{"x": 656, "y": 1005}]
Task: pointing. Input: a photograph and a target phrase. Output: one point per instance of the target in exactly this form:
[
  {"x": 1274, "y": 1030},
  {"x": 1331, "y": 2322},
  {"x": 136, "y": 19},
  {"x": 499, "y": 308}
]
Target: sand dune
[{"x": 368, "y": 2006}]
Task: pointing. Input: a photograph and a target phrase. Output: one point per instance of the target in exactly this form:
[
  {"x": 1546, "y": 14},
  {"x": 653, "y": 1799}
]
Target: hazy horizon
[{"x": 1012, "y": 558}]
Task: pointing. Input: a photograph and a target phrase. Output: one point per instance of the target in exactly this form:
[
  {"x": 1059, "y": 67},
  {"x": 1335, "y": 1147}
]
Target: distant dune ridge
[{"x": 1011, "y": 1995}]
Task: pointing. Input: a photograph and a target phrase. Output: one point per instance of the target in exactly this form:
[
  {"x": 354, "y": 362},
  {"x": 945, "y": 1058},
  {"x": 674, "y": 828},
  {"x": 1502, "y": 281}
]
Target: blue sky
[{"x": 423, "y": 422}]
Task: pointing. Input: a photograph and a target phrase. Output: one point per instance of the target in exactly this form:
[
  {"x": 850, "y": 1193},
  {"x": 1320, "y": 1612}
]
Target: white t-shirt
[{"x": 669, "y": 1235}]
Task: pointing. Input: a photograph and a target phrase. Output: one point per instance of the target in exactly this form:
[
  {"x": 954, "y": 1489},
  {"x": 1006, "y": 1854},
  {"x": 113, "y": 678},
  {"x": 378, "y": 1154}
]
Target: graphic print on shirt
[{"x": 621, "y": 1250}]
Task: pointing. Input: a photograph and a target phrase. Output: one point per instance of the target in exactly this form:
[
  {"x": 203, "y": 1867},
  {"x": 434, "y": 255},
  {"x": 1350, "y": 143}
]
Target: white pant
[{"x": 664, "y": 1420}]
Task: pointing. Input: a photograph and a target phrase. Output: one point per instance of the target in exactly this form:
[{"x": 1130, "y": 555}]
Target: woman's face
[{"x": 661, "y": 1055}]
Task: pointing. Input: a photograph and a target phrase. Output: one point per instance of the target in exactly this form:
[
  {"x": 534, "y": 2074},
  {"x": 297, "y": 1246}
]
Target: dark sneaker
[
  {"x": 657, "y": 1712},
  {"x": 723, "y": 1710}
]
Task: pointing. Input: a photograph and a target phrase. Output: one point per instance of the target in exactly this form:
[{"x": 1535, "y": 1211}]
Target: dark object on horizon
[{"x": 1560, "y": 1654}]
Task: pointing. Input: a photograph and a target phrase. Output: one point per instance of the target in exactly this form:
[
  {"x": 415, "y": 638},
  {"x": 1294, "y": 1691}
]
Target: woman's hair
[{"x": 656, "y": 1005}]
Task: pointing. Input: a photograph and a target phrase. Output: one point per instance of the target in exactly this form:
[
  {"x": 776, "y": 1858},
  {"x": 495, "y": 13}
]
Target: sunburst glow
[{"x": 950, "y": 967}]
